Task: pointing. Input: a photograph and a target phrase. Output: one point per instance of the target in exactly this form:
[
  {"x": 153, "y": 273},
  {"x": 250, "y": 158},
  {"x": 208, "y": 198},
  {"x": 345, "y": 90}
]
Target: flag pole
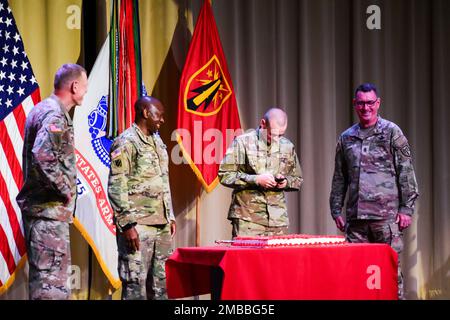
[{"x": 197, "y": 220}]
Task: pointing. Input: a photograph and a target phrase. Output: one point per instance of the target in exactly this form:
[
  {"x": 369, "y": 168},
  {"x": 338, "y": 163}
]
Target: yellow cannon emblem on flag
[{"x": 207, "y": 89}]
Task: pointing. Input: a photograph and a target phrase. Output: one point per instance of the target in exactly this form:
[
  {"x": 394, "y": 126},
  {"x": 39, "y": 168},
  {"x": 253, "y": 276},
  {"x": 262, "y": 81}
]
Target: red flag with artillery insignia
[{"x": 208, "y": 117}]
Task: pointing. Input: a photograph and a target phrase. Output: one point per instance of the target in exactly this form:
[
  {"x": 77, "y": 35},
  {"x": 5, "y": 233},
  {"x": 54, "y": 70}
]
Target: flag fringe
[
  {"x": 11, "y": 279},
  {"x": 208, "y": 187},
  {"x": 116, "y": 283}
]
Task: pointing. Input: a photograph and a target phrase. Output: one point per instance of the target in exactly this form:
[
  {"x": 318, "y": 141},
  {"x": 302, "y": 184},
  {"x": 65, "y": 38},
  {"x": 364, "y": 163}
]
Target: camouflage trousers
[
  {"x": 247, "y": 228},
  {"x": 143, "y": 272},
  {"x": 48, "y": 249},
  {"x": 378, "y": 231}
]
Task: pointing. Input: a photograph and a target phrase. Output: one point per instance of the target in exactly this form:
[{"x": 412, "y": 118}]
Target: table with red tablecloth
[{"x": 348, "y": 271}]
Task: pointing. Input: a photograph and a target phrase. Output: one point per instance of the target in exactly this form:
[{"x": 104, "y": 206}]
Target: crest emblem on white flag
[{"x": 94, "y": 214}]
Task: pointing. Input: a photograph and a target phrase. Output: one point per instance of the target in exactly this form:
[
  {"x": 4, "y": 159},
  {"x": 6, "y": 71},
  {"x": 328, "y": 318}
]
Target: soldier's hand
[
  {"x": 403, "y": 220},
  {"x": 281, "y": 181},
  {"x": 173, "y": 229},
  {"x": 340, "y": 223},
  {"x": 266, "y": 180},
  {"x": 132, "y": 238}
]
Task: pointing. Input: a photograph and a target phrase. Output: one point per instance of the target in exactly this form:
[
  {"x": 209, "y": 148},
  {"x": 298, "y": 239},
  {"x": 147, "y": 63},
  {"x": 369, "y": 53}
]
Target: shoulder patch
[
  {"x": 406, "y": 151},
  {"x": 401, "y": 144},
  {"x": 117, "y": 163}
]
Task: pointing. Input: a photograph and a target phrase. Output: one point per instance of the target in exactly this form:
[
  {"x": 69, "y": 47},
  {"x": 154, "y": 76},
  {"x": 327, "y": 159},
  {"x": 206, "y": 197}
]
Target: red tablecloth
[{"x": 350, "y": 271}]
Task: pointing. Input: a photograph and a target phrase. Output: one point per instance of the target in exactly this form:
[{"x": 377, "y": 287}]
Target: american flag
[{"x": 19, "y": 92}]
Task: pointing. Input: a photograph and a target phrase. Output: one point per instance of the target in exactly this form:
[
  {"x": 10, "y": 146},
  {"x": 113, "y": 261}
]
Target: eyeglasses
[{"x": 361, "y": 103}]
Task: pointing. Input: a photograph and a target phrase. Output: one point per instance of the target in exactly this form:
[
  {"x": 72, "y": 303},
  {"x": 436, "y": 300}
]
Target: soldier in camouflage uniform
[
  {"x": 139, "y": 191},
  {"x": 48, "y": 195},
  {"x": 373, "y": 162},
  {"x": 260, "y": 165}
]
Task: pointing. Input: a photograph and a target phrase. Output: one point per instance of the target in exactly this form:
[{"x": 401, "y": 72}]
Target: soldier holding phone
[{"x": 260, "y": 165}]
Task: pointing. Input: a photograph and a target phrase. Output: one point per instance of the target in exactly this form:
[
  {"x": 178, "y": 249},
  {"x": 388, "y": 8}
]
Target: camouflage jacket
[
  {"x": 378, "y": 172},
  {"x": 49, "y": 166},
  {"x": 138, "y": 184},
  {"x": 248, "y": 156}
]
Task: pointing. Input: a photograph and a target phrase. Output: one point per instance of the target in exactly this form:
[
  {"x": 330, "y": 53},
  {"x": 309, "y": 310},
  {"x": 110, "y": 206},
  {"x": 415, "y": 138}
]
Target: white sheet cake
[{"x": 287, "y": 240}]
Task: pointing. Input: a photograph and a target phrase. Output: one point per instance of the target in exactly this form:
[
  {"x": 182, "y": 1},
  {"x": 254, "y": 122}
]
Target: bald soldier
[
  {"x": 260, "y": 165},
  {"x": 374, "y": 165},
  {"x": 139, "y": 191},
  {"x": 48, "y": 195}
]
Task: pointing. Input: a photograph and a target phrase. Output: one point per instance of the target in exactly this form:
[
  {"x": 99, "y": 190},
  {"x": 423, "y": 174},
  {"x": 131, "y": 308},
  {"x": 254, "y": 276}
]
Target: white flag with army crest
[{"x": 94, "y": 215}]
